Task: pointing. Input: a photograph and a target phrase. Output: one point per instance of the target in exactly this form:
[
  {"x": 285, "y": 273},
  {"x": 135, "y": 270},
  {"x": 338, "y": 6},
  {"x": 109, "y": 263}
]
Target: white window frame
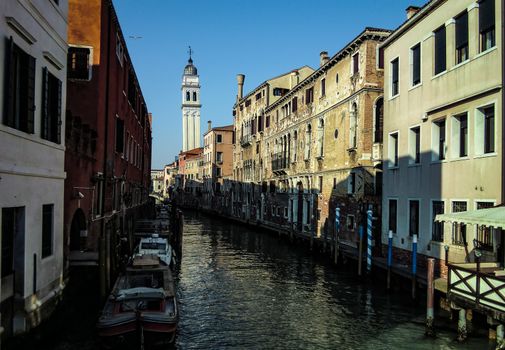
[
  {"x": 411, "y": 64},
  {"x": 456, "y": 136},
  {"x": 478, "y": 135},
  {"x": 435, "y": 139},
  {"x": 391, "y": 149},
  {"x": 432, "y": 219},
  {"x": 396, "y": 200},
  {"x": 412, "y": 145},
  {"x": 390, "y": 78}
]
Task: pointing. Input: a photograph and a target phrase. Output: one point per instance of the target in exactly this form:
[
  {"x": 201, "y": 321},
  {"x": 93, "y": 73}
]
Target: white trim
[
  {"x": 390, "y": 78},
  {"x": 444, "y": 201},
  {"x": 410, "y": 154},
  {"x": 409, "y": 199}
]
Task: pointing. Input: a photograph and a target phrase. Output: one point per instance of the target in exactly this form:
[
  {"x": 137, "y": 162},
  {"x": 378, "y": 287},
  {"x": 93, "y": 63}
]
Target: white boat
[{"x": 157, "y": 246}]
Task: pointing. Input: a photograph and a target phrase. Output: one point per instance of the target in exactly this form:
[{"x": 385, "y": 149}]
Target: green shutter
[
  {"x": 9, "y": 82},
  {"x": 44, "y": 110},
  {"x": 31, "y": 95},
  {"x": 58, "y": 111}
]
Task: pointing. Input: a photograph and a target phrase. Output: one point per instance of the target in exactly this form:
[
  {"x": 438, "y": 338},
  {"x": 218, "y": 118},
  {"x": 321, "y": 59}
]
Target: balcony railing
[
  {"x": 279, "y": 162},
  {"x": 482, "y": 284},
  {"x": 245, "y": 140}
]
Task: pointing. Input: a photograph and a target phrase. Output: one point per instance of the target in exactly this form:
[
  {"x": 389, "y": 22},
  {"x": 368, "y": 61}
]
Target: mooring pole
[
  {"x": 369, "y": 241},
  {"x": 500, "y": 335},
  {"x": 414, "y": 265},
  {"x": 462, "y": 333},
  {"x": 360, "y": 251},
  {"x": 390, "y": 257},
  {"x": 337, "y": 228},
  {"x": 430, "y": 297}
]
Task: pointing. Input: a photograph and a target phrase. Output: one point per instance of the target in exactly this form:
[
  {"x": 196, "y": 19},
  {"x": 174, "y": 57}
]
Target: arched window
[
  {"x": 187, "y": 96},
  {"x": 378, "y": 120},
  {"x": 308, "y": 141},
  {"x": 320, "y": 138},
  {"x": 194, "y": 95},
  {"x": 353, "y": 126}
]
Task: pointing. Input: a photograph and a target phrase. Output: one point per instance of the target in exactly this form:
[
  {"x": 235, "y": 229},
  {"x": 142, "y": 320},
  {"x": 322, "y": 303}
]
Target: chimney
[
  {"x": 240, "y": 81},
  {"x": 411, "y": 11},
  {"x": 323, "y": 58},
  {"x": 294, "y": 79},
  {"x": 209, "y": 125}
]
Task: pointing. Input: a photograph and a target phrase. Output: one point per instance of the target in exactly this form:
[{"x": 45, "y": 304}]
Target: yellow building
[{"x": 322, "y": 148}]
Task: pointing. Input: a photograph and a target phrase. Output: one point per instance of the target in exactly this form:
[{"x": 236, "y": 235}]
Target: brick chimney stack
[{"x": 411, "y": 11}]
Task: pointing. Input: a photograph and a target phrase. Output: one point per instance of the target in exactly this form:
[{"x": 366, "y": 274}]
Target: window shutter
[
  {"x": 440, "y": 47},
  {"x": 58, "y": 111},
  {"x": 462, "y": 30},
  {"x": 44, "y": 127},
  {"x": 486, "y": 15},
  {"x": 30, "y": 120},
  {"x": 9, "y": 83}
]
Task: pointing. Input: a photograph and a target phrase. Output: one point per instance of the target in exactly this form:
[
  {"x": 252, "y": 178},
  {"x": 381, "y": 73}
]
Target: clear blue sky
[{"x": 259, "y": 38}]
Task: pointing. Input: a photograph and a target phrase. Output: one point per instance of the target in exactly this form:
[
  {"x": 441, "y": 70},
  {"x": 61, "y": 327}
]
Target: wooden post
[
  {"x": 369, "y": 241},
  {"x": 430, "y": 297},
  {"x": 462, "y": 334},
  {"x": 500, "y": 335},
  {"x": 337, "y": 228}
]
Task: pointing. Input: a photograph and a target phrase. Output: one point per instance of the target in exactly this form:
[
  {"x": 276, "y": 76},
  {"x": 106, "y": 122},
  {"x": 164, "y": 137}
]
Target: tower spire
[{"x": 190, "y": 51}]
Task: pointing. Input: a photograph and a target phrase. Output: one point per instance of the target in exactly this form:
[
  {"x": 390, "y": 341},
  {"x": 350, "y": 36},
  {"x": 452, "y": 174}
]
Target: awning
[{"x": 490, "y": 217}]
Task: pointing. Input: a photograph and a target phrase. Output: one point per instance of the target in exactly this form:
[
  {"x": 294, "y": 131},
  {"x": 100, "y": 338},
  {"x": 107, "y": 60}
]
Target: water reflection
[{"x": 240, "y": 288}]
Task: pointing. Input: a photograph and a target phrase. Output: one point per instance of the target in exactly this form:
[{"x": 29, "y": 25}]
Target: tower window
[
  {"x": 194, "y": 96},
  {"x": 187, "y": 96}
]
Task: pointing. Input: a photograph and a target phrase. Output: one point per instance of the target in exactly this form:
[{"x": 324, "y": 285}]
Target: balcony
[
  {"x": 246, "y": 140},
  {"x": 279, "y": 164}
]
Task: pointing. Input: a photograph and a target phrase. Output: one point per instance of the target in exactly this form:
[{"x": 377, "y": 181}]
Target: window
[
  {"x": 392, "y": 215},
  {"x": 47, "y": 230},
  {"x": 413, "y": 217},
  {"x": 219, "y": 138},
  {"x": 351, "y": 183},
  {"x": 355, "y": 63},
  {"x": 437, "y": 232},
  {"x": 119, "y": 135},
  {"x": 353, "y": 126},
  {"x": 267, "y": 121},
  {"x": 320, "y": 138},
  {"x": 194, "y": 96},
  {"x": 415, "y": 53},
  {"x": 323, "y": 87},
  {"x": 460, "y": 135},
  {"x": 487, "y": 24},
  {"x": 187, "y": 95},
  {"x": 440, "y": 54},
  {"x": 218, "y": 172},
  {"x": 294, "y": 104},
  {"x": 395, "y": 84},
  {"x": 219, "y": 156},
  {"x": 309, "y": 95},
  {"x": 438, "y": 141},
  {"x": 415, "y": 145},
  {"x": 462, "y": 37},
  {"x": 380, "y": 63},
  {"x": 484, "y": 233},
  {"x": 379, "y": 119},
  {"x": 336, "y": 78},
  {"x": 459, "y": 230},
  {"x": 12, "y": 228},
  {"x": 19, "y": 101},
  {"x": 78, "y": 63},
  {"x": 393, "y": 150},
  {"x": 132, "y": 90},
  {"x": 119, "y": 49},
  {"x": 320, "y": 184},
  {"x": 308, "y": 141},
  {"x": 488, "y": 130},
  {"x": 51, "y": 107},
  {"x": 258, "y": 96},
  {"x": 350, "y": 222}
]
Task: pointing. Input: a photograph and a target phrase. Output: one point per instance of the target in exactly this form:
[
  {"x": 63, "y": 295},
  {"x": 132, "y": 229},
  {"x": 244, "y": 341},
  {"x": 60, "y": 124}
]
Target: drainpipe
[{"x": 103, "y": 253}]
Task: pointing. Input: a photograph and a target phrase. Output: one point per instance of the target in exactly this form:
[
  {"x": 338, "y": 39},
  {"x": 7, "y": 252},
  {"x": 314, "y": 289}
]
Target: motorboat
[
  {"x": 156, "y": 245},
  {"x": 142, "y": 308}
]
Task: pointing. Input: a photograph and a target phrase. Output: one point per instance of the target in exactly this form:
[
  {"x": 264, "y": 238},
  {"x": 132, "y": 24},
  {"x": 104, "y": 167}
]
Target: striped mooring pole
[
  {"x": 414, "y": 265},
  {"x": 390, "y": 257},
  {"x": 337, "y": 229},
  {"x": 360, "y": 251},
  {"x": 369, "y": 241}
]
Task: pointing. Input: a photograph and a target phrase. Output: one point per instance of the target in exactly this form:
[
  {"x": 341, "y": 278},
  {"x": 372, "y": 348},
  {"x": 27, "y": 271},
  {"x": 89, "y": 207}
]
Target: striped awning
[{"x": 490, "y": 217}]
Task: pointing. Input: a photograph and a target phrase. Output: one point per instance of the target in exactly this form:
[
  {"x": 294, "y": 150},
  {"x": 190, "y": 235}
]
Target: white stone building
[
  {"x": 33, "y": 59},
  {"x": 190, "y": 107}
]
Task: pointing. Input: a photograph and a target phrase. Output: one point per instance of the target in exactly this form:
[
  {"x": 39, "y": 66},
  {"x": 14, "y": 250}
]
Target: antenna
[{"x": 190, "y": 51}]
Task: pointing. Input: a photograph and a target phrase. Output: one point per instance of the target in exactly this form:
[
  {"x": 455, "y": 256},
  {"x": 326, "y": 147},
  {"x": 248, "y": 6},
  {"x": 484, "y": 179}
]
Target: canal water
[{"x": 240, "y": 288}]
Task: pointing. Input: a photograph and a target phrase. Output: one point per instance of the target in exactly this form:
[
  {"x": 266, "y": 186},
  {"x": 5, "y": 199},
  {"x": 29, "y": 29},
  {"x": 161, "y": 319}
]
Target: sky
[{"x": 260, "y": 38}]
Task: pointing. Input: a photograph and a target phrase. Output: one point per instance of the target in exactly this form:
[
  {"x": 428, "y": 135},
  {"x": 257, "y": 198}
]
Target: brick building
[{"x": 108, "y": 137}]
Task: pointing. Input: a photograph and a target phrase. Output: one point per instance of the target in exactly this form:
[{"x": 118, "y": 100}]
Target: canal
[{"x": 240, "y": 288}]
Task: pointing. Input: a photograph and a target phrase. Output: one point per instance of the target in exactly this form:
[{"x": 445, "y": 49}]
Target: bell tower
[{"x": 190, "y": 106}]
